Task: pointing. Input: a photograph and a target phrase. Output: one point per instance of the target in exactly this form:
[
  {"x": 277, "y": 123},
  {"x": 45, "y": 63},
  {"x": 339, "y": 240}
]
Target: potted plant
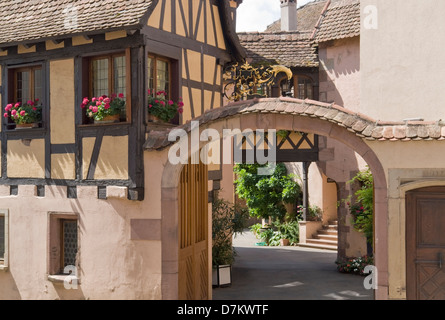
[
  {"x": 161, "y": 109},
  {"x": 227, "y": 219},
  {"x": 26, "y": 115},
  {"x": 104, "y": 109}
]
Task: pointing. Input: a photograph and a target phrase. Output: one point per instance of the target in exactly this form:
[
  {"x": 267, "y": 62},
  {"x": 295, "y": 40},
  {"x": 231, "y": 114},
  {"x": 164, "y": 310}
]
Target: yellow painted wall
[
  {"x": 26, "y": 158},
  {"x": 113, "y": 158},
  {"x": 203, "y": 29},
  {"x": 63, "y": 166},
  {"x": 62, "y": 101}
]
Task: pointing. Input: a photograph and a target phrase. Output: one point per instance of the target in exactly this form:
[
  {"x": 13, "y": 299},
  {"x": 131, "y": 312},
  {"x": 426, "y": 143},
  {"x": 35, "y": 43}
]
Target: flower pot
[
  {"x": 284, "y": 242},
  {"x": 26, "y": 125},
  {"x": 222, "y": 276},
  {"x": 152, "y": 118},
  {"x": 109, "y": 119}
]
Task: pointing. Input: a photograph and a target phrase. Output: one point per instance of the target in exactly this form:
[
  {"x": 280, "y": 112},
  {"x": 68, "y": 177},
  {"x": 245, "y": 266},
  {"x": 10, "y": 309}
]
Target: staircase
[{"x": 326, "y": 238}]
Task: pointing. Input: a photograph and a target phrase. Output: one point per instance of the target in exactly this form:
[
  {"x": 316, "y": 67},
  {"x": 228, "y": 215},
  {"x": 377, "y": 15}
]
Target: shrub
[{"x": 265, "y": 195}]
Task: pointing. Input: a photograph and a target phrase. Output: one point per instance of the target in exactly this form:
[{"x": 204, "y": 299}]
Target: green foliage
[
  {"x": 162, "y": 107},
  {"x": 363, "y": 209},
  {"x": 227, "y": 219},
  {"x": 314, "y": 213},
  {"x": 29, "y": 112},
  {"x": 265, "y": 195},
  {"x": 272, "y": 236},
  {"x": 100, "y": 107}
]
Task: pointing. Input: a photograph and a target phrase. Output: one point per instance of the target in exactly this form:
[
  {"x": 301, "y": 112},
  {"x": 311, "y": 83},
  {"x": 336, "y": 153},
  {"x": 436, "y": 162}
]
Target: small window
[
  {"x": 305, "y": 88},
  {"x": 4, "y": 239},
  {"x": 64, "y": 244},
  {"x": 27, "y": 84},
  {"x": 159, "y": 76},
  {"x": 25, "y": 94},
  {"x": 107, "y": 75}
]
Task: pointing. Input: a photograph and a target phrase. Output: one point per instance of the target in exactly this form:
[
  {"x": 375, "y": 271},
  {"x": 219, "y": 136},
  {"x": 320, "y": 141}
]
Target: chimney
[{"x": 288, "y": 15}]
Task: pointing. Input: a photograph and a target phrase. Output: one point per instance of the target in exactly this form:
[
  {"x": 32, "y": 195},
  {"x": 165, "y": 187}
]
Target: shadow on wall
[{"x": 8, "y": 288}]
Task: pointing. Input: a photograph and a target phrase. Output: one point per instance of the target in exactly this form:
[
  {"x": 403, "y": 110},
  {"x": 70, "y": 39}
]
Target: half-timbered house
[{"x": 76, "y": 195}]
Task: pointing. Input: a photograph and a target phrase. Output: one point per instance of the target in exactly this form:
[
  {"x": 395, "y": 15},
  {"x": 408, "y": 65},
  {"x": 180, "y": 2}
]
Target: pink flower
[
  {"x": 34, "y": 108},
  {"x": 107, "y": 106},
  {"x": 22, "y": 113},
  {"x": 181, "y": 104},
  {"x": 85, "y": 101},
  {"x": 121, "y": 95},
  {"x": 91, "y": 108},
  {"x": 101, "y": 98},
  {"x": 6, "y": 115},
  {"x": 95, "y": 109},
  {"x": 98, "y": 103},
  {"x": 17, "y": 105},
  {"x": 148, "y": 91},
  {"x": 37, "y": 100},
  {"x": 180, "y": 110},
  {"x": 156, "y": 101},
  {"x": 107, "y": 100},
  {"x": 113, "y": 95},
  {"x": 8, "y": 107},
  {"x": 94, "y": 99},
  {"x": 14, "y": 112},
  {"x": 170, "y": 102},
  {"x": 162, "y": 102},
  {"x": 150, "y": 105}
]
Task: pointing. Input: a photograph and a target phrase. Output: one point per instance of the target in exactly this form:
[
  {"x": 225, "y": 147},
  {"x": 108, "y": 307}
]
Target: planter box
[{"x": 221, "y": 276}]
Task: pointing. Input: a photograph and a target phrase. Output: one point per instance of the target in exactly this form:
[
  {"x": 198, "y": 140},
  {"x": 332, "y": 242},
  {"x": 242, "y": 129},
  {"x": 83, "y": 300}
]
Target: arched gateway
[{"x": 280, "y": 114}]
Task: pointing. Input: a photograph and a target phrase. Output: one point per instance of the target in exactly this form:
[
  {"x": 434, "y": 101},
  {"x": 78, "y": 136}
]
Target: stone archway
[{"x": 280, "y": 114}]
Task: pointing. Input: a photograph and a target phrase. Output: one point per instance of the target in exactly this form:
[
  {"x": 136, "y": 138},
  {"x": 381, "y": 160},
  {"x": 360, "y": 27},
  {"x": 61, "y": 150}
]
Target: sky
[{"x": 256, "y": 15}]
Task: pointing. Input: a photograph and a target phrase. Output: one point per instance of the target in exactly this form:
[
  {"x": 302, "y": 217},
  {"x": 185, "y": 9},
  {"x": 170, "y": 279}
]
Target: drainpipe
[{"x": 305, "y": 189}]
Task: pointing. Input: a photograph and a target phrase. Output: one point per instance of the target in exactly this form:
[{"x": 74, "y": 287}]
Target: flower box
[
  {"x": 25, "y": 116},
  {"x": 162, "y": 109},
  {"x": 104, "y": 109}
]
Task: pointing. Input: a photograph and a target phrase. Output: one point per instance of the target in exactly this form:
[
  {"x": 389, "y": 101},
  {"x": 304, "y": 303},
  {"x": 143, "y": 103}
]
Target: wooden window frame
[
  {"x": 11, "y": 91},
  {"x": 169, "y": 62},
  {"x": 4, "y": 263},
  {"x": 294, "y": 85},
  {"x": 173, "y": 84},
  {"x": 32, "y": 70},
  {"x": 87, "y": 88}
]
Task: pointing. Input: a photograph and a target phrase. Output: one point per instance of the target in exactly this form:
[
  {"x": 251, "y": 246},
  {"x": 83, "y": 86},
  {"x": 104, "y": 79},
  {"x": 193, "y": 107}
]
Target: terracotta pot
[
  {"x": 109, "y": 119},
  {"x": 25, "y": 125},
  {"x": 152, "y": 118}
]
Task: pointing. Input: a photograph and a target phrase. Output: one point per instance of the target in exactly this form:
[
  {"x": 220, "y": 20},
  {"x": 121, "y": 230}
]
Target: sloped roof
[
  {"x": 307, "y": 17},
  {"x": 341, "y": 20},
  {"x": 286, "y": 48},
  {"x": 24, "y": 20},
  {"x": 359, "y": 124}
]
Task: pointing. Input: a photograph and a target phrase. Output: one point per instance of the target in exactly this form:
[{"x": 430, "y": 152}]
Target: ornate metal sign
[{"x": 245, "y": 81}]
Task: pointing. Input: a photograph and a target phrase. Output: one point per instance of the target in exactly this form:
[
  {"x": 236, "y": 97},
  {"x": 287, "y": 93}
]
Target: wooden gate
[
  {"x": 425, "y": 244},
  {"x": 193, "y": 234}
]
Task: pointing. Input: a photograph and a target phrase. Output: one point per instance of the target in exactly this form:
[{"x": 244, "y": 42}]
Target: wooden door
[
  {"x": 425, "y": 244},
  {"x": 193, "y": 240}
]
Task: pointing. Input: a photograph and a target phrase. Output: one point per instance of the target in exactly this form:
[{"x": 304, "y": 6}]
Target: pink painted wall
[{"x": 340, "y": 72}]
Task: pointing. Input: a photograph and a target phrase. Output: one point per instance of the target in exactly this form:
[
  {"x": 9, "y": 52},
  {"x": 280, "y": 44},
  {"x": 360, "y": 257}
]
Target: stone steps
[{"x": 326, "y": 238}]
